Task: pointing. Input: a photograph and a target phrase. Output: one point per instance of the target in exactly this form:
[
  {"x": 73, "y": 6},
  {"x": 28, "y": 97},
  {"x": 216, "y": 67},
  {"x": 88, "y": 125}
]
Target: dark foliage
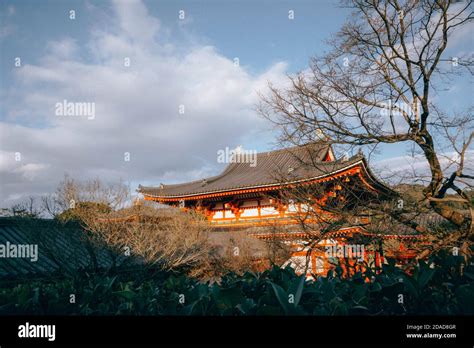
[{"x": 445, "y": 287}]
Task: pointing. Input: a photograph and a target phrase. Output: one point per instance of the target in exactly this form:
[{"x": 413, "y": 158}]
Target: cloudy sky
[{"x": 172, "y": 82}]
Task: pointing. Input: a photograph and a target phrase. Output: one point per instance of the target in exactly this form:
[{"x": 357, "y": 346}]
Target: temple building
[{"x": 287, "y": 188}]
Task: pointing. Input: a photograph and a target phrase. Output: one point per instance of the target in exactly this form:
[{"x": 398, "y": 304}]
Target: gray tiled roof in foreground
[{"x": 61, "y": 247}]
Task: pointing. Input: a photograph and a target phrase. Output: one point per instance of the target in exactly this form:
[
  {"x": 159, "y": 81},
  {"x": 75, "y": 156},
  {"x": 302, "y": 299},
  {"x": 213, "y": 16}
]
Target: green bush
[{"x": 447, "y": 287}]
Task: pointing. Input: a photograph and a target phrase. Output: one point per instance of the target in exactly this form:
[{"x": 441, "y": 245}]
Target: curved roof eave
[{"x": 361, "y": 162}]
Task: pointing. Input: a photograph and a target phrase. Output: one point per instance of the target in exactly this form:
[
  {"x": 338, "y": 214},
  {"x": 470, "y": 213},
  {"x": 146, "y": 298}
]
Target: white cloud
[
  {"x": 6, "y": 30},
  {"x": 136, "y": 107},
  {"x": 135, "y": 21},
  {"x": 30, "y": 171},
  {"x": 415, "y": 168},
  {"x": 11, "y": 10}
]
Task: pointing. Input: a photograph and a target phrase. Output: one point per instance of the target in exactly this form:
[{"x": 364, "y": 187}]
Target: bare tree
[
  {"x": 375, "y": 87},
  {"x": 27, "y": 208},
  {"x": 163, "y": 238}
]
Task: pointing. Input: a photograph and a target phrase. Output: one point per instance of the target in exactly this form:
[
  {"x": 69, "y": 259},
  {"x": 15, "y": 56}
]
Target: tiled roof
[
  {"x": 391, "y": 226},
  {"x": 388, "y": 229},
  {"x": 289, "y": 165},
  {"x": 61, "y": 247}
]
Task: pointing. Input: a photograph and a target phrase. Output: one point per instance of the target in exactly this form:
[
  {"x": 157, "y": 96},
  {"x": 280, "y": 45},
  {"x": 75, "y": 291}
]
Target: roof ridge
[
  {"x": 287, "y": 149},
  {"x": 231, "y": 166},
  {"x": 237, "y": 175}
]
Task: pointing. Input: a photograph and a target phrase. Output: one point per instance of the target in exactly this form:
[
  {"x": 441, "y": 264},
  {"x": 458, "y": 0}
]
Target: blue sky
[
  {"x": 174, "y": 62},
  {"x": 258, "y": 32}
]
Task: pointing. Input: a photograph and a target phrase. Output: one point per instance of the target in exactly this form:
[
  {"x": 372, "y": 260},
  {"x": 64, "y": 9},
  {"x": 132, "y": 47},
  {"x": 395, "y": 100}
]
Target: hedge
[{"x": 443, "y": 285}]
